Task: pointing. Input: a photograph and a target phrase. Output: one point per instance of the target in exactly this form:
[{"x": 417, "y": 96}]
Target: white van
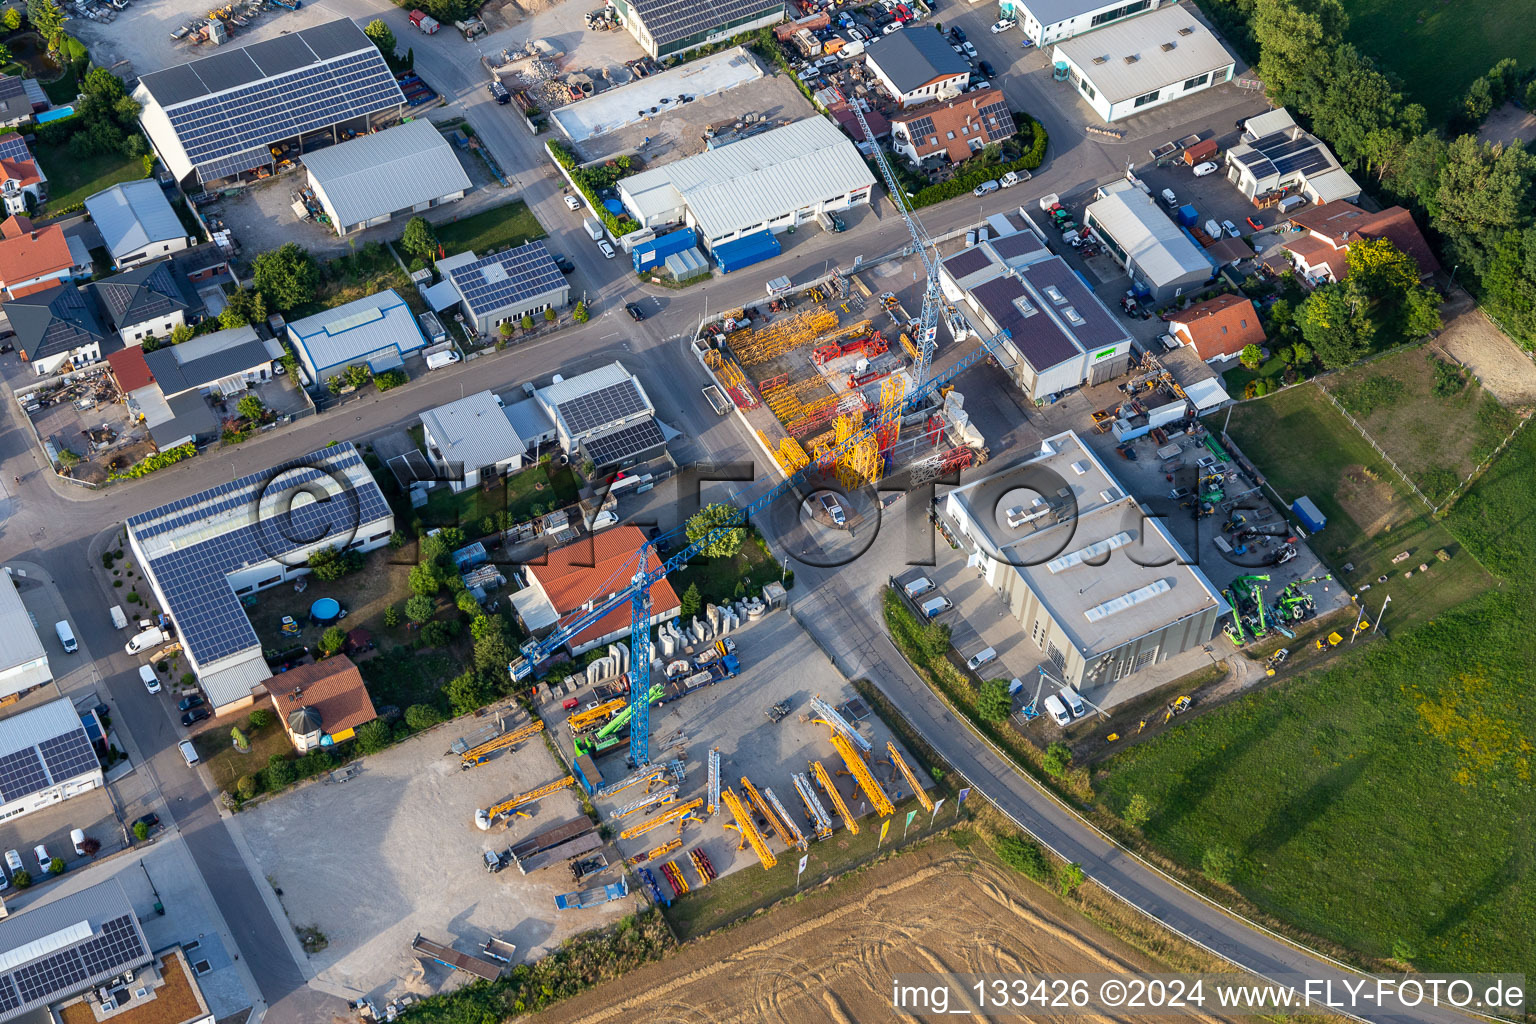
[
  {"x": 1290, "y": 203},
  {"x": 151, "y": 681},
  {"x": 66, "y": 636},
  {"x": 1057, "y": 710},
  {"x": 13, "y": 861},
  {"x": 1073, "y": 702},
  {"x": 981, "y": 658},
  {"x": 119, "y": 620},
  {"x": 921, "y": 585},
  {"x": 934, "y": 607},
  {"x": 188, "y": 752}
]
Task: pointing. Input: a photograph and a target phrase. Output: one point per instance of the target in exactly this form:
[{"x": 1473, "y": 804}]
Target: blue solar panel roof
[
  {"x": 250, "y": 522},
  {"x": 505, "y": 278}
]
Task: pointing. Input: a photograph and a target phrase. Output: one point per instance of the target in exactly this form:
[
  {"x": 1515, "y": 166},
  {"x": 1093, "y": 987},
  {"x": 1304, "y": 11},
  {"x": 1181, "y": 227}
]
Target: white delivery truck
[{"x": 594, "y": 228}]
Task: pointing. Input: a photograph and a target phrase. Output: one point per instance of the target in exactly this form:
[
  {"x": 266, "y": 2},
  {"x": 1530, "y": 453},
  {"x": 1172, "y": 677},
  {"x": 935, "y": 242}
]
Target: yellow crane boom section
[
  {"x": 673, "y": 813},
  {"x": 825, "y": 781},
  {"x": 474, "y": 755},
  {"x": 766, "y": 811},
  {"x": 748, "y": 829},
  {"x": 585, "y": 719},
  {"x": 863, "y": 776},
  {"x": 906, "y": 773}
]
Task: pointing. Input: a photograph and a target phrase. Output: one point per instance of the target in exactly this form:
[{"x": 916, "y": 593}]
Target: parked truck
[
  {"x": 592, "y": 897},
  {"x": 594, "y": 228},
  {"x": 425, "y": 22}
]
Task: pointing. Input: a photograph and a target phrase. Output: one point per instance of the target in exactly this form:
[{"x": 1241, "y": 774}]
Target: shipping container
[
  {"x": 745, "y": 251},
  {"x": 648, "y": 254}
]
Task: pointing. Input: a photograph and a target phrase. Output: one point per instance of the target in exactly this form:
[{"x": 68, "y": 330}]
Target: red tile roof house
[
  {"x": 32, "y": 259},
  {"x": 323, "y": 699},
  {"x": 1218, "y": 329},
  {"x": 954, "y": 128},
  {"x": 20, "y": 176},
  {"x": 591, "y": 570},
  {"x": 1320, "y": 253}
]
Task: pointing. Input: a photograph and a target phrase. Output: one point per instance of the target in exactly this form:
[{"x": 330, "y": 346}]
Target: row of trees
[{"x": 1478, "y": 199}]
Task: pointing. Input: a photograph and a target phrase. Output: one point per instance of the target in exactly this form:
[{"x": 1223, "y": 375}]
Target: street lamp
[{"x": 1453, "y": 277}]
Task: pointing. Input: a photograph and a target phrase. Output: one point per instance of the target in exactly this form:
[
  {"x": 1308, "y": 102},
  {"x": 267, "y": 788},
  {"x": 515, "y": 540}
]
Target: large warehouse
[
  {"x": 23, "y": 659},
  {"x": 665, "y": 27},
  {"x": 768, "y": 183},
  {"x": 1047, "y": 537},
  {"x": 1144, "y": 62},
  {"x": 221, "y": 116},
  {"x": 203, "y": 553},
  {"x": 372, "y": 179},
  {"x": 45, "y": 757},
  {"x": 1161, "y": 258}
]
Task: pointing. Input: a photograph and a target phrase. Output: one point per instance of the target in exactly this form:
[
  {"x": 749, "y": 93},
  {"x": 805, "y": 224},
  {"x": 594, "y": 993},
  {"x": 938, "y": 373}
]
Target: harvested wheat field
[{"x": 831, "y": 956}]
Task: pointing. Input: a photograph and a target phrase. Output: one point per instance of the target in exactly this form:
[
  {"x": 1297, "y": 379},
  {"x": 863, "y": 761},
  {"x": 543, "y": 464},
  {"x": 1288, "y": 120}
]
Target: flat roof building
[
  {"x": 219, "y": 117},
  {"x": 378, "y": 330},
  {"x": 770, "y": 182},
  {"x": 23, "y": 658},
  {"x": 471, "y": 439},
  {"x": 1161, "y": 257},
  {"x": 45, "y": 756},
  {"x": 137, "y": 222},
  {"x": 1045, "y": 21},
  {"x": 917, "y": 65},
  {"x": 374, "y": 178},
  {"x": 202, "y": 553},
  {"x": 664, "y": 27},
  {"x": 505, "y": 287},
  {"x": 1144, "y": 62},
  {"x": 604, "y": 415},
  {"x": 1276, "y": 156},
  {"x": 1101, "y": 587}
]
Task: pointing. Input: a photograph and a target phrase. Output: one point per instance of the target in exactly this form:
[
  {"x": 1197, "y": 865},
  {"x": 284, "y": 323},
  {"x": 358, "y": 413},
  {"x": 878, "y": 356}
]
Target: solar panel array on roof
[
  {"x": 14, "y": 147},
  {"x": 503, "y": 279},
  {"x": 68, "y": 755},
  {"x": 606, "y": 405},
  {"x": 1002, "y": 115},
  {"x": 1302, "y": 163},
  {"x": 21, "y": 774},
  {"x": 624, "y": 443},
  {"x": 921, "y": 127},
  {"x": 117, "y": 948},
  {"x": 670, "y": 20}
]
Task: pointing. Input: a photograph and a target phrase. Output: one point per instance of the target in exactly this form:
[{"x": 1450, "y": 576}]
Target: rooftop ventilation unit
[
  {"x": 1100, "y": 60},
  {"x": 1186, "y": 31},
  {"x": 1133, "y": 58},
  {"x": 1169, "y": 46}
]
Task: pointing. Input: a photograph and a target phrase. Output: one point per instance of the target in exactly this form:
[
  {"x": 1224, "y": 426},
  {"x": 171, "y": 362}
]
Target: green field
[
  {"x": 1304, "y": 447},
  {"x": 1385, "y": 803},
  {"x": 1437, "y": 48},
  {"x": 73, "y": 179},
  {"x": 490, "y": 231}
]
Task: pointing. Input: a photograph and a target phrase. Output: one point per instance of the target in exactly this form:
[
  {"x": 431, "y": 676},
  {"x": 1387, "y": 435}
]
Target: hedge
[
  {"x": 617, "y": 226},
  {"x": 157, "y": 461},
  {"x": 967, "y": 181}
]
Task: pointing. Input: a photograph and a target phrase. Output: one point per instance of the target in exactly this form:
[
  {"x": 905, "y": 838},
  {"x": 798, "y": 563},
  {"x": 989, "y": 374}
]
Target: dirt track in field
[
  {"x": 831, "y": 956},
  {"x": 1504, "y": 370}
]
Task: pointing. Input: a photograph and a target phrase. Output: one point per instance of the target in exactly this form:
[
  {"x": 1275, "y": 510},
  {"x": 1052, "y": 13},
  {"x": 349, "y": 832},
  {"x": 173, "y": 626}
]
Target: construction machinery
[
  {"x": 1177, "y": 707},
  {"x": 702, "y": 864},
  {"x": 821, "y": 822},
  {"x": 907, "y": 773},
  {"x": 611, "y": 734},
  {"x": 712, "y": 785},
  {"x": 862, "y": 775},
  {"x": 1331, "y": 640},
  {"x": 648, "y": 777},
  {"x": 681, "y": 814},
  {"x": 823, "y": 713},
  {"x": 760, "y": 804},
  {"x": 486, "y": 816},
  {"x": 656, "y": 853},
  {"x": 830, "y": 789},
  {"x": 589, "y": 718},
  {"x": 482, "y": 753},
  {"x": 592, "y": 897},
  {"x": 796, "y": 836},
  {"x": 664, "y": 796},
  {"x": 747, "y": 829},
  {"x": 674, "y": 876}
]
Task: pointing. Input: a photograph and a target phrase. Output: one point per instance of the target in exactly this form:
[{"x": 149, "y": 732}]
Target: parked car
[
  {"x": 970, "y": 50},
  {"x": 151, "y": 681},
  {"x": 564, "y": 263},
  {"x": 572, "y": 203},
  {"x": 986, "y": 68},
  {"x": 980, "y": 658},
  {"x": 1170, "y": 200},
  {"x": 635, "y": 312},
  {"x": 44, "y": 858},
  {"x": 146, "y": 639},
  {"x": 605, "y": 248},
  {"x": 194, "y": 716},
  {"x": 1201, "y": 170},
  {"x": 1179, "y": 493},
  {"x": 1231, "y": 229},
  {"x": 149, "y": 821},
  {"x": 957, "y": 34},
  {"x": 1012, "y": 178},
  {"x": 986, "y": 187},
  {"x": 894, "y": 26},
  {"x": 999, "y": 27},
  {"x": 834, "y": 510},
  {"x": 188, "y": 703}
]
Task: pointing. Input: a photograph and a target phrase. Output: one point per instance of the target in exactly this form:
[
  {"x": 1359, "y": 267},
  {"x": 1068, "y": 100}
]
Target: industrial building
[
  {"x": 1163, "y": 260},
  {"x": 1055, "y": 331},
  {"x": 604, "y": 415},
  {"x": 137, "y": 222},
  {"x": 149, "y": 301},
  {"x": 917, "y": 65},
  {"x": 222, "y": 116},
  {"x": 1102, "y": 588},
  {"x": 1046, "y": 21},
  {"x": 23, "y": 659},
  {"x": 46, "y": 757},
  {"x": 375, "y": 178},
  {"x": 184, "y": 418},
  {"x": 471, "y": 440},
  {"x": 1144, "y": 62},
  {"x": 58, "y": 949},
  {"x": 569, "y": 576},
  {"x": 501, "y": 288},
  {"x": 666, "y": 27},
  {"x": 203, "y": 553},
  {"x": 765, "y": 184},
  {"x": 1277, "y": 158},
  {"x": 378, "y": 331}
]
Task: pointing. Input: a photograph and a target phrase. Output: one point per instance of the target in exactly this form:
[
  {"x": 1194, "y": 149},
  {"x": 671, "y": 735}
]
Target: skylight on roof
[
  {"x": 1024, "y": 306},
  {"x": 1124, "y": 601},
  {"x": 358, "y": 319},
  {"x": 1074, "y": 316},
  {"x": 1054, "y": 294}
]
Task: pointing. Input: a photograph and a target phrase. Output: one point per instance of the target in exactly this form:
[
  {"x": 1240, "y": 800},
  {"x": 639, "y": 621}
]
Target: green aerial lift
[{"x": 611, "y": 734}]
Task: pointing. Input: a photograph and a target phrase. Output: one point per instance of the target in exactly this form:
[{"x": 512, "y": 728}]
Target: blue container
[
  {"x": 1188, "y": 216},
  {"x": 648, "y": 254},
  {"x": 1309, "y": 514},
  {"x": 743, "y": 252}
]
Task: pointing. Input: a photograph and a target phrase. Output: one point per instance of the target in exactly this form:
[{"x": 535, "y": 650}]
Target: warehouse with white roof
[
  {"x": 759, "y": 186},
  {"x": 23, "y": 659},
  {"x": 46, "y": 757},
  {"x": 1161, "y": 258},
  {"x": 1144, "y": 62},
  {"x": 374, "y": 178},
  {"x": 377, "y": 330}
]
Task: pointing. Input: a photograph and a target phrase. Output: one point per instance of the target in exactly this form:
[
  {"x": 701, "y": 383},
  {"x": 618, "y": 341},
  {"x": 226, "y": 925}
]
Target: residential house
[
  {"x": 149, "y": 301},
  {"x": 20, "y": 176},
  {"x": 1218, "y": 329},
  {"x": 55, "y": 326},
  {"x": 226, "y": 362},
  {"x": 324, "y": 699},
  {"x": 137, "y": 222},
  {"x": 32, "y": 259},
  {"x": 15, "y": 104},
  {"x": 471, "y": 439},
  {"x": 917, "y": 65},
  {"x": 953, "y": 129},
  {"x": 184, "y": 418},
  {"x": 1321, "y": 253},
  {"x": 604, "y": 415}
]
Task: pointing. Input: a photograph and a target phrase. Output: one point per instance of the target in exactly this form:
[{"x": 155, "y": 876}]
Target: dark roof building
[
  {"x": 916, "y": 65},
  {"x": 224, "y": 360},
  {"x": 55, "y": 323},
  {"x": 152, "y": 292},
  {"x": 954, "y": 129},
  {"x": 675, "y": 26},
  {"x": 506, "y": 286},
  {"x": 15, "y": 104},
  {"x": 218, "y": 117}
]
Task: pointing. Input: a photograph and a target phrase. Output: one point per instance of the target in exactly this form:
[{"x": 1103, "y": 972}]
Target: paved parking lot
[{"x": 395, "y": 852}]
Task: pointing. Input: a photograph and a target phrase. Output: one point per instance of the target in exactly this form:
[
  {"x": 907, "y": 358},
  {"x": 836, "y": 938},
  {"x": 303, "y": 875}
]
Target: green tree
[
  {"x": 238, "y": 740},
  {"x": 467, "y": 693},
  {"x": 527, "y": 323},
  {"x": 102, "y": 88},
  {"x": 48, "y": 20},
  {"x": 436, "y": 633},
  {"x": 245, "y": 787},
  {"x": 422, "y": 716},
  {"x": 549, "y": 315},
  {"x": 1294, "y": 39},
  {"x": 250, "y": 407},
  {"x": 329, "y": 564},
  {"x": 1138, "y": 812},
  {"x": 1058, "y": 756},
  {"x": 492, "y": 652},
  {"x": 11, "y": 20},
  {"x": 418, "y": 240},
  {"x": 1530, "y": 95},
  {"x": 1483, "y": 191},
  {"x": 426, "y": 579},
  {"x": 373, "y": 736},
  {"x": 333, "y": 640},
  {"x": 126, "y": 111},
  {"x": 1071, "y": 878},
  {"x": 287, "y": 276},
  {"x": 1219, "y": 864},
  {"x": 279, "y": 773},
  {"x": 1336, "y": 326},
  {"x": 580, "y": 314},
  {"x": 420, "y": 608},
  {"x": 994, "y": 703},
  {"x": 1413, "y": 174},
  {"x": 57, "y": 866},
  {"x": 691, "y": 602},
  {"x": 242, "y": 306},
  {"x": 260, "y": 718},
  {"x": 383, "y": 37},
  {"x": 1509, "y": 285},
  {"x": 180, "y": 333},
  {"x": 140, "y": 832},
  {"x": 1359, "y": 103},
  {"x": 1301, "y": 355},
  {"x": 1251, "y": 356},
  {"x": 1478, "y": 102},
  {"x": 724, "y": 521},
  {"x": 392, "y": 616},
  {"x": 467, "y": 603}
]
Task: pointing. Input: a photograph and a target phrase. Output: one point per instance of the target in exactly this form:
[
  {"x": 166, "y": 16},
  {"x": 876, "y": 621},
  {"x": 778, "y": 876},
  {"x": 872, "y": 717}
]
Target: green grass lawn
[
  {"x": 548, "y": 486},
  {"x": 1384, "y": 803},
  {"x": 226, "y": 763},
  {"x": 1437, "y": 48},
  {"x": 1304, "y": 447},
  {"x": 504, "y": 226},
  {"x": 726, "y": 579},
  {"x": 73, "y": 179}
]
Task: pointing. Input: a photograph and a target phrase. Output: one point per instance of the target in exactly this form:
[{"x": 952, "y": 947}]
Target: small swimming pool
[{"x": 56, "y": 114}]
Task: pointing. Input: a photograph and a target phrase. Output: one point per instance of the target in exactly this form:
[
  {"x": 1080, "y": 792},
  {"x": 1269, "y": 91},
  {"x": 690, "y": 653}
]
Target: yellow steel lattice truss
[
  {"x": 828, "y": 787},
  {"x": 792, "y": 456},
  {"x": 747, "y": 828},
  {"x": 860, "y": 464},
  {"x": 862, "y": 775},
  {"x": 783, "y": 335},
  {"x": 907, "y": 773}
]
